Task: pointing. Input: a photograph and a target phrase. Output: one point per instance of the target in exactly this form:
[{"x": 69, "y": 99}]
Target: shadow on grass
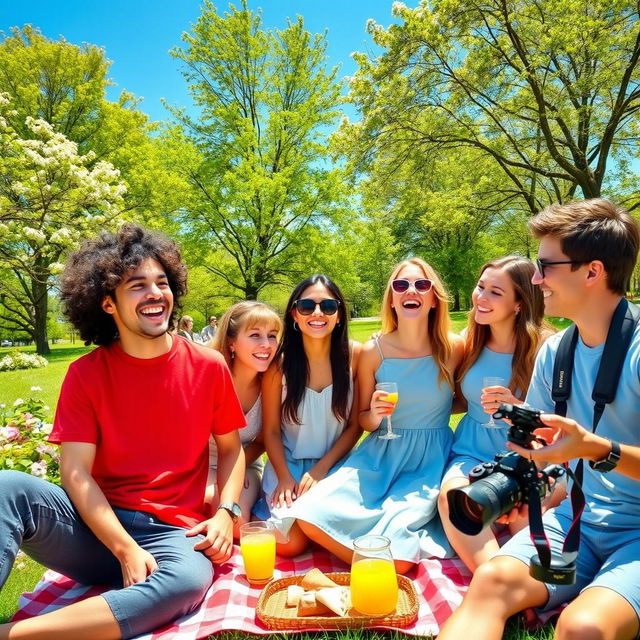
[{"x": 67, "y": 353}]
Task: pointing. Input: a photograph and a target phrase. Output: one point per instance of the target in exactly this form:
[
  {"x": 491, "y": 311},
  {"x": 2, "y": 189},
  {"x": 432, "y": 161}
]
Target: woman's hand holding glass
[
  {"x": 494, "y": 393},
  {"x": 383, "y": 404}
]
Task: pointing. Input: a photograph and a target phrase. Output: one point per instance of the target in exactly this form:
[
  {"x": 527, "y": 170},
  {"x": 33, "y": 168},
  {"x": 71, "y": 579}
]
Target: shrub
[
  {"x": 23, "y": 440},
  {"x": 20, "y": 360}
]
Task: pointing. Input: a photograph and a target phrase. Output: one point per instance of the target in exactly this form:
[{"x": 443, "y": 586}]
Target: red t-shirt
[{"x": 150, "y": 421}]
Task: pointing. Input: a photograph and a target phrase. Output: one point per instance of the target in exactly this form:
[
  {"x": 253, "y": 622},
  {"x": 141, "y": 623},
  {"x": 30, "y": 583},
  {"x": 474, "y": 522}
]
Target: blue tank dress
[
  {"x": 390, "y": 487},
  {"x": 473, "y": 443},
  {"x": 304, "y": 444}
]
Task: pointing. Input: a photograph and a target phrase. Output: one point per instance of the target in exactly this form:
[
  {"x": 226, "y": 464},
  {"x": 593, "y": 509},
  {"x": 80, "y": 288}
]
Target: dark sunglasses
[
  {"x": 548, "y": 263},
  {"x": 421, "y": 286},
  {"x": 306, "y": 306}
]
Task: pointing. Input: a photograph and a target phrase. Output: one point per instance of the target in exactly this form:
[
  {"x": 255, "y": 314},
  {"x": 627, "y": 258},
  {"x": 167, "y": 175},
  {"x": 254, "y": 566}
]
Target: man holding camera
[{"x": 586, "y": 256}]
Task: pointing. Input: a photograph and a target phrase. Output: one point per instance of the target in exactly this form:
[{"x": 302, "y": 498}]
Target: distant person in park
[
  {"x": 587, "y": 253},
  {"x": 504, "y": 332},
  {"x": 133, "y": 422},
  {"x": 308, "y": 394},
  {"x": 248, "y": 340},
  {"x": 390, "y": 487},
  {"x": 209, "y": 332},
  {"x": 185, "y": 328}
]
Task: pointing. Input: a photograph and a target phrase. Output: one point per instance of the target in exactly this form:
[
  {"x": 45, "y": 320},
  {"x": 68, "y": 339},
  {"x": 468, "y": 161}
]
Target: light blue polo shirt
[{"x": 613, "y": 499}]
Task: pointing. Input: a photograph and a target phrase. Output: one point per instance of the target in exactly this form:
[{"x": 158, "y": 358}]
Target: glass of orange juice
[
  {"x": 258, "y": 547},
  {"x": 391, "y": 395},
  {"x": 374, "y": 584}
]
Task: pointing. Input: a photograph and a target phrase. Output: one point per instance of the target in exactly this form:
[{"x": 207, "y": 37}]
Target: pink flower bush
[{"x": 23, "y": 440}]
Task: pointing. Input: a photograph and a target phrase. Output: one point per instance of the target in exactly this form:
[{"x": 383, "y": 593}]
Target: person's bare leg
[
  {"x": 90, "y": 618},
  {"x": 598, "y": 613},
  {"x": 298, "y": 542},
  {"x": 344, "y": 553},
  {"x": 499, "y": 588},
  {"x": 472, "y": 550}
]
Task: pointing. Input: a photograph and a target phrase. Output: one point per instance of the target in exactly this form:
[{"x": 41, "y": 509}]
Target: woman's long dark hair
[{"x": 294, "y": 362}]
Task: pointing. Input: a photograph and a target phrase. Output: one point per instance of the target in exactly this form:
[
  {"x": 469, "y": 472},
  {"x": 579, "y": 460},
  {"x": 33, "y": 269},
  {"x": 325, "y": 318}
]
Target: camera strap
[{"x": 623, "y": 324}]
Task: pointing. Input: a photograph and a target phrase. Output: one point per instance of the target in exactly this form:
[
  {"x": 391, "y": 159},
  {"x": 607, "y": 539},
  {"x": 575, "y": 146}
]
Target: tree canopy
[
  {"x": 548, "y": 90},
  {"x": 257, "y": 155}
]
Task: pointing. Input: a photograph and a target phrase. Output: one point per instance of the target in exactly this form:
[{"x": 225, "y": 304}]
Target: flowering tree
[{"x": 51, "y": 197}]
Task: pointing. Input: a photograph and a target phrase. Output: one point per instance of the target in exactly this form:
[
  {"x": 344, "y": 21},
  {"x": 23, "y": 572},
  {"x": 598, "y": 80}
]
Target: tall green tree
[
  {"x": 547, "y": 90},
  {"x": 51, "y": 197},
  {"x": 65, "y": 85},
  {"x": 257, "y": 155}
]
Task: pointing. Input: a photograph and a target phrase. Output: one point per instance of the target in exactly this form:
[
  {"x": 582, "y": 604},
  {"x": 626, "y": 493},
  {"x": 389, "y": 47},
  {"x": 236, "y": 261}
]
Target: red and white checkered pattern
[{"x": 230, "y": 603}]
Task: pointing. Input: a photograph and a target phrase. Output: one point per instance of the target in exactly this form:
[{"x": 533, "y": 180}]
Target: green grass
[
  {"x": 26, "y": 573},
  {"x": 17, "y": 384}
]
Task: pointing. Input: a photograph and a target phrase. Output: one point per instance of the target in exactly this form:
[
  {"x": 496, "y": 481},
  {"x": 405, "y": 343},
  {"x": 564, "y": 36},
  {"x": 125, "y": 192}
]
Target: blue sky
[{"x": 137, "y": 35}]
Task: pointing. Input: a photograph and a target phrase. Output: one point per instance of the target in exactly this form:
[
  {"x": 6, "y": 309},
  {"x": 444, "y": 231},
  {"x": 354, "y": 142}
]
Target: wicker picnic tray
[{"x": 274, "y": 614}]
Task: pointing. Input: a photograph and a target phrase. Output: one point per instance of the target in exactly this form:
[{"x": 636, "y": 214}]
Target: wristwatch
[
  {"x": 233, "y": 508},
  {"x": 610, "y": 462}
]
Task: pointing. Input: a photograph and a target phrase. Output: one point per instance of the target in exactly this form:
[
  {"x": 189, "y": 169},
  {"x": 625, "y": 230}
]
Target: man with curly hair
[{"x": 133, "y": 420}]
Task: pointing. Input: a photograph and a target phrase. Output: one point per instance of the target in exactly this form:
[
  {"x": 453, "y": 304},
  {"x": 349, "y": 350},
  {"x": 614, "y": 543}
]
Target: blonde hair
[
  {"x": 439, "y": 323},
  {"x": 529, "y": 326},
  {"x": 182, "y": 323},
  {"x": 239, "y": 316}
]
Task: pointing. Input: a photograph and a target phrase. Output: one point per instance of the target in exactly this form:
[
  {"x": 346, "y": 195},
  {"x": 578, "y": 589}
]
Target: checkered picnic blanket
[{"x": 230, "y": 603}]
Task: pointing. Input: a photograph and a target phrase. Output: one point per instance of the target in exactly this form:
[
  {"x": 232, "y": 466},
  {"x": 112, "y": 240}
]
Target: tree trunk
[
  {"x": 40, "y": 298},
  {"x": 250, "y": 291},
  {"x": 456, "y": 301}
]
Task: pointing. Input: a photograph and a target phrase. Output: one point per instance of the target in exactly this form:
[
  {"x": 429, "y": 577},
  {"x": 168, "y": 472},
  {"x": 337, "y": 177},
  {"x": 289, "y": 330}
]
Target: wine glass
[
  {"x": 491, "y": 381},
  {"x": 391, "y": 391}
]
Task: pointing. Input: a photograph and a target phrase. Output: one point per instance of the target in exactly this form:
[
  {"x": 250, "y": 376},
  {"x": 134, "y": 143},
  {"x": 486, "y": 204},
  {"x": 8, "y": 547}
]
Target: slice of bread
[{"x": 315, "y": 579}]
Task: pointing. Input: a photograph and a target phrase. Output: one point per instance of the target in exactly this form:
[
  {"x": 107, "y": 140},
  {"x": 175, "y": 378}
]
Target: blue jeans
[{"x": 39, "y": 518}]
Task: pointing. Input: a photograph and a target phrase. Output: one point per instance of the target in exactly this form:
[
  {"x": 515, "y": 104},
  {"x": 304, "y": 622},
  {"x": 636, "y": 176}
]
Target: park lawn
[
  {"x": 26, "y": 573},
  {"x": 17, "y": 384}
]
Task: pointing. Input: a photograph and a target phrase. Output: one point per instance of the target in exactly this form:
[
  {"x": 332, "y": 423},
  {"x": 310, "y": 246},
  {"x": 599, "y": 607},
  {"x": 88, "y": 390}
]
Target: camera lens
[{"x": 473, "y": 507}]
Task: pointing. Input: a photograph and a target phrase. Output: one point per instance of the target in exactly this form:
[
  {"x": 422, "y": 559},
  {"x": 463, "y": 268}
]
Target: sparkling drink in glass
[
  {"x": 391, "y": 395},
  {"x": 492, "y": 381}
]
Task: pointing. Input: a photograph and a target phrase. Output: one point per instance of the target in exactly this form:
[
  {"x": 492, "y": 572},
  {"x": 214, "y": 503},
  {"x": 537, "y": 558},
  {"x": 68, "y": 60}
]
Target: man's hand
[
  {"x": 218, "y": 536},
  {"x": 136, "y": 564},
  {"x": 565, "y": 439}
]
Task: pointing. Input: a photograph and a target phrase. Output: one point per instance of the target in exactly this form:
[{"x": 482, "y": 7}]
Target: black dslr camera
[{"x": 496, "y": 487}]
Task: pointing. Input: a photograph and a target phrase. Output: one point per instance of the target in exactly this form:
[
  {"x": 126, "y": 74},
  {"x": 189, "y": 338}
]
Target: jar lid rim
[{"x": 361, "y": 542}]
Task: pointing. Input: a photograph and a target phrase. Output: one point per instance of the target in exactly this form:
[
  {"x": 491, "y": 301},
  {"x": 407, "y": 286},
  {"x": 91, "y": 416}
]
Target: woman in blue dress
[
  {"x": 504, "y": 333},
  {"x": 308, "y": 425},
  {"x": 390, "y": 487}
]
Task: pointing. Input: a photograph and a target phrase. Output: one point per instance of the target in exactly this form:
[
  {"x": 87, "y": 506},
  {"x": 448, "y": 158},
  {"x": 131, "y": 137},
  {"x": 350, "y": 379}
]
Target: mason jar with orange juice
[{"x": 374, "y": 584}]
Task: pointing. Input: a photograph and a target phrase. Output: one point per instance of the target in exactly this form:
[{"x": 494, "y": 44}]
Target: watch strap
[
  {"x": 233, "y": 509},
  {"x": 610, "y": 462}
]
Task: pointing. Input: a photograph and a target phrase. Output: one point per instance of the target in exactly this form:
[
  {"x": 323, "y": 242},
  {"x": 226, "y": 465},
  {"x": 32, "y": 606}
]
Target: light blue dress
[
  {"x": 473, "y": 443},
  {"x": 304, "y": 444},
  {"x": 390, "y": 487}
]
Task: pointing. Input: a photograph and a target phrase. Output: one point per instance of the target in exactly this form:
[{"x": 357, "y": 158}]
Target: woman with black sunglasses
[
  {"x": 308, "y": 425},
  {"x": 386, "y": 486},
  {"x": 504, "y": 332}
]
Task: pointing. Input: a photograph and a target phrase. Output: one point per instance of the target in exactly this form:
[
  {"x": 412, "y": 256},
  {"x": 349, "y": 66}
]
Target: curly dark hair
[{"x": 98, "y": 267}]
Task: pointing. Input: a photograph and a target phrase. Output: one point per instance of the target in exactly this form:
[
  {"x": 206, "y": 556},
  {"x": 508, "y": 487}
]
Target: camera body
[{"x": 497, "y": 487}]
